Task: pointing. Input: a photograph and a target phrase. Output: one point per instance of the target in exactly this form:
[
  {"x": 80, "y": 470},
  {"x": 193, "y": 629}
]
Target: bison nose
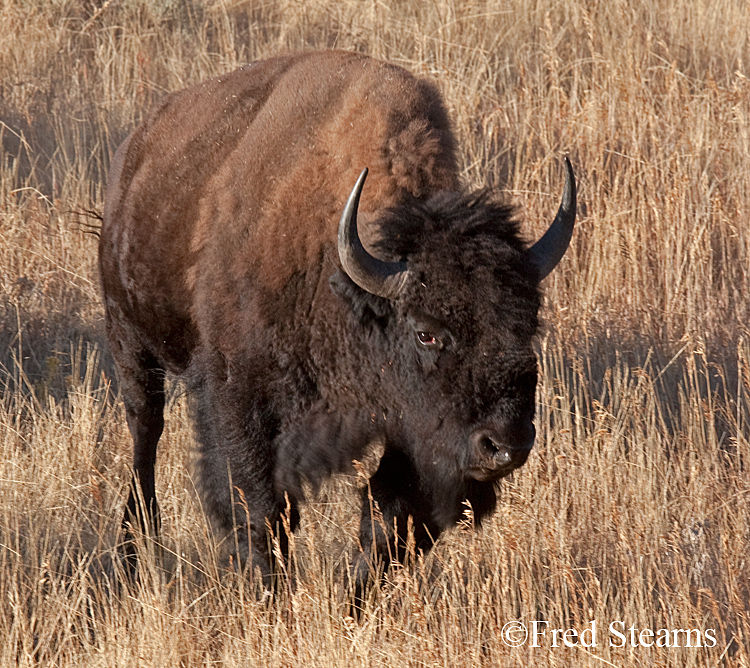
[{"x": 498, "y": 451}]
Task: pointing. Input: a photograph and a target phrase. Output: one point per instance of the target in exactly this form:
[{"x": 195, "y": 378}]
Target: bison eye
[
  {"x": 430, "y": 333},
  {"x": 427, "y": 339}
]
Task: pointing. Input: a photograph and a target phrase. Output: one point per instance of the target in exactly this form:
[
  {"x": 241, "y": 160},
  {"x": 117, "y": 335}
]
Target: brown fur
[
  {"x": 213, "y": 155},
  {"x": 218, "y": 257}
]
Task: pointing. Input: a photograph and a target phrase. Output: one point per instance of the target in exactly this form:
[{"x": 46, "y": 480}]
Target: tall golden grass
[{"x": 635, "y": 505}]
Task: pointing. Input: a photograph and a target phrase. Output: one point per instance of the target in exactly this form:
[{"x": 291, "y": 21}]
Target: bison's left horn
[
  {"x": 384, "y": 279},
  {"x": 548, "y": 251}
]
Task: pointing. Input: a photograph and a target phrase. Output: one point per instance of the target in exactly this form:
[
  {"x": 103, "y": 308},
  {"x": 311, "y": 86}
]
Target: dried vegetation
[{"x": 635, "y": 505}]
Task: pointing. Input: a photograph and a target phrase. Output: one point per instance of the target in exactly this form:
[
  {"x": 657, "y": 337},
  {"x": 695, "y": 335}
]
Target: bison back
[{"x": 236, "y": 184}]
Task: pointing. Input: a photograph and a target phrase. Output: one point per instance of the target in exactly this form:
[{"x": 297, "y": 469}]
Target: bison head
[{"x": 451, "y": 319}]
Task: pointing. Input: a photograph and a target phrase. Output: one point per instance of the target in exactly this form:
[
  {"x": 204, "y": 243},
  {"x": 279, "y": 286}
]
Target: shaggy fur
[{"x": 218, "y": 262}]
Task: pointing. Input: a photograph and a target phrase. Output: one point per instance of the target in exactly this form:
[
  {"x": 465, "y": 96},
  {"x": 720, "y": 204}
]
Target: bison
[{"x": 309, "y": 319}]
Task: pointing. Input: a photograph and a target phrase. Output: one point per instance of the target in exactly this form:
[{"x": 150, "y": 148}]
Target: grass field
[{"x": 634, "y": 508}]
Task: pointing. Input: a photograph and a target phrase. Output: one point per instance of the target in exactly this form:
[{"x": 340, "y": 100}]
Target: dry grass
[{"x": 636, "y": 503}]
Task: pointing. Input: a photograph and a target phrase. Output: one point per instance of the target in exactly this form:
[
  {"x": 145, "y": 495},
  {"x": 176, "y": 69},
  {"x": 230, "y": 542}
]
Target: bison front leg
[
  {"x": 393, "y": 512},
  {"x": 236, "y": 429},
  {"x": 245, "y": 509}
]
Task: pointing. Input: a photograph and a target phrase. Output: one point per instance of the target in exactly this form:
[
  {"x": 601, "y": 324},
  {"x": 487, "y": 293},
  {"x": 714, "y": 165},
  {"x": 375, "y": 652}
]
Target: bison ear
[{"x": 366, "y": 307}]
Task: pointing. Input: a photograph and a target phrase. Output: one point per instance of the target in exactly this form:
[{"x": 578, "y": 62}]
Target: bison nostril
[
  {"x": 496, "y": 452},
  {"x": 487, "y": 444},
  {"x": 507, "y": 442}
]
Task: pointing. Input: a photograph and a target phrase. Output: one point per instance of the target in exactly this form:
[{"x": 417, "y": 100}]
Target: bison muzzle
[{"x": 309, "y": 319}]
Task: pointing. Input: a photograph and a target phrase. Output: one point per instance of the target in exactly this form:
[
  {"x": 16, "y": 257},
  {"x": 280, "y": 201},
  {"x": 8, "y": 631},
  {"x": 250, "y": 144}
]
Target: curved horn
[
  {"x": 384, "y": 279},
  {"x": 548, "y": 251}
]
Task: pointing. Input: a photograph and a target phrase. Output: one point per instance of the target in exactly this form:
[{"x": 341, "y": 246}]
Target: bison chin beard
[
  {"x": 449, "y": 487},
  {"x": 453, "y": 502}
]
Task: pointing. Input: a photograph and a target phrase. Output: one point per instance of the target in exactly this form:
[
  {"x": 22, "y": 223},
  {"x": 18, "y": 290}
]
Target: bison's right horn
[
  {"x": 548, "y": 251},
  {"x": 384, "y": 279}
]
